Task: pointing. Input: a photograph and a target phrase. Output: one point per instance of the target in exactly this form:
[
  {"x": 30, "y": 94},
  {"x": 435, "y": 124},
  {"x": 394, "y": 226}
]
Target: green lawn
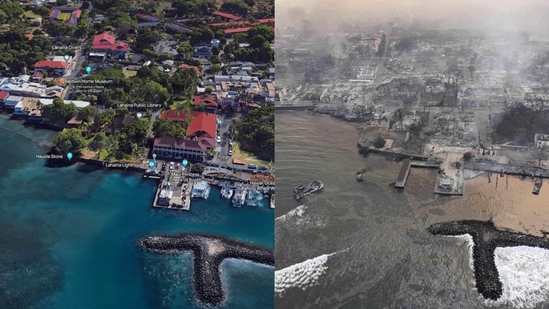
[
  {"x": 175, "y": 104},
  {"x": 248, "y": 157},
  {"x": 129, "y": 73},
  {"x": 64, "y": 16},
  {"x": 30, "y": 14}
]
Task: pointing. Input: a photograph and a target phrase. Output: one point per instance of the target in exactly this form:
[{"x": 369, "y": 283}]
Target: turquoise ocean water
[{"x": 69, "y": 237}]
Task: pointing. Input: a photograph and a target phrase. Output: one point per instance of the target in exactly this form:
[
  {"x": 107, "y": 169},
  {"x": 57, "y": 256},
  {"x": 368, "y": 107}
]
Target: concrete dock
[
  {"x": 403, "y": 175},
  {"x": 174, "y": 192}
]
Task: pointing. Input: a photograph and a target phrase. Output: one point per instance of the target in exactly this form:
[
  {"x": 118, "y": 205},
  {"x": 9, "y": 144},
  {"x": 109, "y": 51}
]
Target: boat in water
[
  {"x": 301, "y": 191},
  {"x": 239, "y": 198},
  {"x": 254, "y": 198},
  {"x": 272, "y": 202},
  {"x": 230, "y": 191},
  {"x": 201, "y": 189},
  {"x": 537, "y": 186},
  {"x": 359, "y": 176}
]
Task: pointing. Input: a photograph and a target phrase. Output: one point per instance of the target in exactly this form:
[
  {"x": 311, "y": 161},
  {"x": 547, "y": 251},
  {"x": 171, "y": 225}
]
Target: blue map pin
[
  {"x": 185, "y": 162},
  {"x": 69, "y": 155},
  {"x": 88, "y": 69},
  {"x": 151, "y": 164}
]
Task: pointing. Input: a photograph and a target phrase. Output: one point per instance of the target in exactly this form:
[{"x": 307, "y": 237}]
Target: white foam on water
[
  {"x": 299, "y": 211},
  {"x": 302, "y": 275},
  {"x": 523, "y": 272}
]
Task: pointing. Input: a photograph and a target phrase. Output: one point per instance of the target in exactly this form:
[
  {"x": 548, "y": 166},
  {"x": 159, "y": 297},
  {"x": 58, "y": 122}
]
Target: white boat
[
  {"x": 239, "y": 198},
  {"x": 254, "y": 198},
  {"x": 224, "y": 190},
  {"x": 201, "y": 189},
  {"x": 230, "y": 191}
]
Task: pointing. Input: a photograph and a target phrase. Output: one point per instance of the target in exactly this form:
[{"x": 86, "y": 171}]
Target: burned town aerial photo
[{"x": 412, "y": 146}]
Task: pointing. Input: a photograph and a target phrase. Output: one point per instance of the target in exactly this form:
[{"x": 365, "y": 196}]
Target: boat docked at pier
[
  {"x": 272, "y": 202},
  {"x": 254, "y": 198},
  {"x": 201, "y": 189},
  {"x": 239, "y": 198},
  {"x": 227, "y": 190},
  {"x": 301, "y": 191}
]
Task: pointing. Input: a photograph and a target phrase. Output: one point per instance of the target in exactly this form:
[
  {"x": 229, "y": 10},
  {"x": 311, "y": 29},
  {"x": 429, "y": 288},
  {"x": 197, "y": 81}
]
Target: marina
[{"x": 177, "y": 189}]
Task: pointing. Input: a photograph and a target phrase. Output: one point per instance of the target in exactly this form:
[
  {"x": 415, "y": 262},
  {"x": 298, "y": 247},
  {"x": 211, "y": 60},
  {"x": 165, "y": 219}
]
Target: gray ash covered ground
[
  {"x": 209, "y": 252},
  {"x": 486, "y": 239}
]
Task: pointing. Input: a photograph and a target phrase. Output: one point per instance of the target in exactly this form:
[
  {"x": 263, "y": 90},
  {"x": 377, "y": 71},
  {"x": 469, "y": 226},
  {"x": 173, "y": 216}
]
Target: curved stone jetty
[
  {"x": 486, "y": 239},
  {"x": 209, "y": 252}
]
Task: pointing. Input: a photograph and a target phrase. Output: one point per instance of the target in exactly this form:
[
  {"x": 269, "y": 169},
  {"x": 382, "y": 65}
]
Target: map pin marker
[
  {"x": 139, "y": 115},
  {"x": 67, "y": 58},
  {"x": 185, "y": 162},
  {"x": 69, "y": 155},
  {"x": 151, "y": 164},
  {"x": 88, "y": 69}
]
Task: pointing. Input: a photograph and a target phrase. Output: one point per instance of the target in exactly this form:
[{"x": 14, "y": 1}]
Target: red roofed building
[
  {"x": 106, "y": 43},
  {"x": 226, "y": 15},
  {"x": 210, "y": 104},
  {"x": 203, "y": 124},
  {"x": 186, "y": 66},
  {"x": 52, "y": 67},
  {"x": 229, "y": 32}
]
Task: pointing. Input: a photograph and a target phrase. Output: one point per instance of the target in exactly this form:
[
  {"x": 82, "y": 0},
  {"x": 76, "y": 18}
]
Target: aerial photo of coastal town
[
  {"x": 137, "y": 150},
  {"x": 412, "y": 154}
]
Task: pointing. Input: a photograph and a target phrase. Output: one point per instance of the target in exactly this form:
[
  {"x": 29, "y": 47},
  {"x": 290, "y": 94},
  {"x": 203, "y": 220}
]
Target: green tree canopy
[
  {"x": 168, "y": 128},
  {"x": 256, "y": 133},
  {"x": 70, "y": 139},
  {"x": 87, "y": 113},
  {"x": 185, "y": 49},
  {"x": 100, "y": 141},
  {"x": 136, "y": 131},
  {"x": 59, "y": 113}
]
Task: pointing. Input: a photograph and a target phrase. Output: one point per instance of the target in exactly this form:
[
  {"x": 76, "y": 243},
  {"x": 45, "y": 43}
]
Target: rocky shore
[
  {"x": 486, "y": 239},
  {"x": 209, "y": 252}
]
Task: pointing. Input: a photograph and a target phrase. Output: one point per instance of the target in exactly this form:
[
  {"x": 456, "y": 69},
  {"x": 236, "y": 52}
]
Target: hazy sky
[{"x": 487, "y": 15}]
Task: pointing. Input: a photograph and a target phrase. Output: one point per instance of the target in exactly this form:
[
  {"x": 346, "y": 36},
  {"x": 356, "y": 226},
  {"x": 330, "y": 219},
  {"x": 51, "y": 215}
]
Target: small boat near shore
[
  {"x": 201, "y": 190},
  {"x": 359, "y": 176},
  {"x": 304, "y": 190},
  {"x": 272, "y": 201}
]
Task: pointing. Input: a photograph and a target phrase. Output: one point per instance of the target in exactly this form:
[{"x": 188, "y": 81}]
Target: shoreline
[
  {"x": 486, "y": 238},
  {"x": 209, "y": 252}
]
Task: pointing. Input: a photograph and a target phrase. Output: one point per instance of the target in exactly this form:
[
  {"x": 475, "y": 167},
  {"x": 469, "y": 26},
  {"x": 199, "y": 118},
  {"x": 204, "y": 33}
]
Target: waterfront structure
[
  {"x": 3, "y": 97},
  {"x": 105, "y": 44},
  {"x": 12, "y": 101}
]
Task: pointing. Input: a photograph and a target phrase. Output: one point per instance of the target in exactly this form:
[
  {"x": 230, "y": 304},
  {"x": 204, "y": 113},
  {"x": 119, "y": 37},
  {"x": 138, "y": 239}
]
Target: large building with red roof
[
  {"x": 106, "y": 43},
  {"x": 201, "y": 132},
  {"x": 202, "y": 124},
  {"x": 54, "y": 68}
]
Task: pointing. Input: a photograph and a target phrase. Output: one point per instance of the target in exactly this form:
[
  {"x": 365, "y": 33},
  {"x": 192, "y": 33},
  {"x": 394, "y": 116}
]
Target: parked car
[
  {"x": 218, "y": 139},
  {"x": 251, "y": 167},
  {"x": 262, "y": 168},
  {"x": 172, "y": 166},
  {"x": 230, "y": 153}
]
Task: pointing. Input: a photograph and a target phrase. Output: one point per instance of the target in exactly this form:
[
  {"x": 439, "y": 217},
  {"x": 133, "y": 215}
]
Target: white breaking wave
[
  {"x": 302, "y": 275},
  {"x": 297, "y": 219},
  {"x": 523, "y": 272},
  {"x": 299, "y": 211}
]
